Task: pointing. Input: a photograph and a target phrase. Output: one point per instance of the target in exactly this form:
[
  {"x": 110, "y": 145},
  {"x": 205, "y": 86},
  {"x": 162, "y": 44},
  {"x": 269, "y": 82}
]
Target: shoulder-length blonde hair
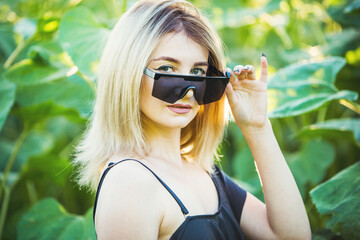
[{"x": 116, "y": 125}]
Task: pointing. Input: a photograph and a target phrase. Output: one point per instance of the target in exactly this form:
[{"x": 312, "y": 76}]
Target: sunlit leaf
[
  {"x": 7, "y": 98},
  {"x": 83, "y": 38},
  {"x": 337, "y": 201},
  {"x": 49, "y": 220},
  {"x": 25, "y": 27},
  {"x": 49, "y": 53},
  {"x": 27, "y": 73},
  {"x": 304, "y": 87},
  {"x": 335, "y": 128},
  {"x": 38, "y": 8}
]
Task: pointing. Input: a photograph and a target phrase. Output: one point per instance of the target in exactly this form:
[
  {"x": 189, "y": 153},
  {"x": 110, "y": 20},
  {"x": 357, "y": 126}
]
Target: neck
[{"x": 164, "y": 144}]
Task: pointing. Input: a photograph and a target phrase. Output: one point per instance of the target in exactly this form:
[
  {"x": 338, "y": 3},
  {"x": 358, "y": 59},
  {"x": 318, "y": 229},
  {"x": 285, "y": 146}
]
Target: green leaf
[
  {"x": 49, "y": 220},
  {"x": 245, "y": 172},
  {"x": 7, "y": 41},
  {"x": 38, "y": 8},
  {"x": 345, "y": 12},
  {"x": 83, "y": 38},
  {"x": 304, "y": 87},
  {"x": 309, "y": 165},
  {"x": 337, "y": 201},
  {"x": 355, "y": 5},
  {"x": 36, "y": 143},
  {"x": 336, "y": 128},
  {"x": 338, "y": 44},
  {"x": 25, "y": 27},
  {"x": 7, "y": 98},
  {"x": 71, "y": 93},
  {"x": 27, "y": 73},
  {"x": 49, "y": 53}
]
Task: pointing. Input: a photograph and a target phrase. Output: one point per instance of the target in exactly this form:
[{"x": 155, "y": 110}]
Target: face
[{"x": 175, "y": 54}]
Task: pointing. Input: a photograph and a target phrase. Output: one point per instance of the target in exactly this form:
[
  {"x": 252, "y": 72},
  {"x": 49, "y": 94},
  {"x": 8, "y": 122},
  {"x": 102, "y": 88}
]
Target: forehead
[{"x": 180, "y": 47}]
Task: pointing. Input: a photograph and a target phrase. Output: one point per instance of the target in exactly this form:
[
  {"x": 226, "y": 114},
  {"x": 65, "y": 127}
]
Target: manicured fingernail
[
  {"x": 228, "y": 74},
  {"x": 236, "y": 70},
  {"x": 246, "y": 68},
  {"x": 263, "y": 54}
]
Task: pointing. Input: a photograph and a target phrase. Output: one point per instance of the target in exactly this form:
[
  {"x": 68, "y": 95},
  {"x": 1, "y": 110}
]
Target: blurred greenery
[{"x": 49, "y": 51}]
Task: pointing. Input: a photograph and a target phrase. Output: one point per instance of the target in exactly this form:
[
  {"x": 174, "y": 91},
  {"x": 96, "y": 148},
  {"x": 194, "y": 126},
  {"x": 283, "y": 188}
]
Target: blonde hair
[{"x": 116, "y": 125}]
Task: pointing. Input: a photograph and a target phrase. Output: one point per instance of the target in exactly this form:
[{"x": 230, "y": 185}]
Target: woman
[{"x": 153, "y": 136}]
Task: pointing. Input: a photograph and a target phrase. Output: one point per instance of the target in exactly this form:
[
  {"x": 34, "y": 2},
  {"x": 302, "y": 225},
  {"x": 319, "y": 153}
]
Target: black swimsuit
[{"x": 222, "y": 225}]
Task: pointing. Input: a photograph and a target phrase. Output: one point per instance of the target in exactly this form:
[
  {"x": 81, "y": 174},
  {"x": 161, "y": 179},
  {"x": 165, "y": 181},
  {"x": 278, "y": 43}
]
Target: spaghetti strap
[{"x": 111, "y": 165}]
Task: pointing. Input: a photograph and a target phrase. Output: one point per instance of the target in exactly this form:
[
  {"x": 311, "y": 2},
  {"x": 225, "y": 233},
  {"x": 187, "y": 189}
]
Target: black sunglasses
[{"x": 172, "y": 87}]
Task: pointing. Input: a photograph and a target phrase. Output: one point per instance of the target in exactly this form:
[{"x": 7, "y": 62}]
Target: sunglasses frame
[
  {"x": 194, "y": 78},
  {"x": 215, "y": 75}
]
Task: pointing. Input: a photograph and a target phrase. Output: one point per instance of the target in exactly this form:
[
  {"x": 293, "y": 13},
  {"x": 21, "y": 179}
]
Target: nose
[{"x": 189, "y": 93}]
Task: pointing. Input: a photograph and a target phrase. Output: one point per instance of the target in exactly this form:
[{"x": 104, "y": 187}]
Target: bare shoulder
[{"x": 128, "y": 201}]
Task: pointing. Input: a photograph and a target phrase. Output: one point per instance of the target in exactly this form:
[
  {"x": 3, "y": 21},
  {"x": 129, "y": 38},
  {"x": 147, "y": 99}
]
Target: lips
[{"x": 180, "y": 108}]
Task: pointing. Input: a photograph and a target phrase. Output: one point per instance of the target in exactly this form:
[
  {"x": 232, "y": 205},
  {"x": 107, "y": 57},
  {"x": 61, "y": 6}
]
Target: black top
[{"x": 222, "y": 225}]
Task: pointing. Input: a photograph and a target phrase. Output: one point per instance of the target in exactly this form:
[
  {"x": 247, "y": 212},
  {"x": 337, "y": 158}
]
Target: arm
[
  {"x": 128, "y": 207},
  {"x": 284, "y": 215}
]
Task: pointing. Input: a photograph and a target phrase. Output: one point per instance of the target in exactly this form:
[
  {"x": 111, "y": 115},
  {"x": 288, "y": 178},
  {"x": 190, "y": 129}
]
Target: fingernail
[
  {"x": 263, "y": 54},
  {"x": 228, "y": 74},
  {"x": 247, "y": 67},
  {"x": 236, "y": 70}
]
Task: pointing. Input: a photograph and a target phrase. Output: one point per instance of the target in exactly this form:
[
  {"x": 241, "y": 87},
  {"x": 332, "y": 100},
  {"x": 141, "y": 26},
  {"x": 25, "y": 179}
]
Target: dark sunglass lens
[
  {"x": 214, "y": 90},
  {"x": 168, "y": 89}
]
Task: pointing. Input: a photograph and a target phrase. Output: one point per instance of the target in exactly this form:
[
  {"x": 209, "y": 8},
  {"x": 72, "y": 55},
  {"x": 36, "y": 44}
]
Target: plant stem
[
  {"x": 321, "y": 114},
  {"x": 17, "y": 51},
  {"x": 12, "y": 158},
  {"x": 4, "y": 208},
  {"x": 87, "y": 80},
  {"x": 353, "y": 106},
  {"x": 124, "y": 5}
]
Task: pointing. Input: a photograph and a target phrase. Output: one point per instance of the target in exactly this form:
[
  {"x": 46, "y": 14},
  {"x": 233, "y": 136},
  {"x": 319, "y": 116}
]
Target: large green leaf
[
  {"x": 304, "y": 87},
  {"x": 245, "y": 172},
  {"x": 25, "y": 27},
  {"x": 345, "y": 12},
  {"x": 309, "y": 165},
  {"x": 335, "y": 128},
  {"x": 83, "y": 38},
  {"x": 7, "y": 98},
  {"x": 71, "y": 93},
  {"x": 337, "y": 201},
  {"x": 7, "y": 41},
  {"x": 36, "y": 143},
  {"x": 49, "y": 220},
  {"x": 38, "y": 8},
  {"x": 28, "y": 72},
  {"x": 49, "y": 53}
]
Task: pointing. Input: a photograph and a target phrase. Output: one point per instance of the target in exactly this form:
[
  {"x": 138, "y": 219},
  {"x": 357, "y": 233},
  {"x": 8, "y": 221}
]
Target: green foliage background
[{"x": 49, "y": 51}]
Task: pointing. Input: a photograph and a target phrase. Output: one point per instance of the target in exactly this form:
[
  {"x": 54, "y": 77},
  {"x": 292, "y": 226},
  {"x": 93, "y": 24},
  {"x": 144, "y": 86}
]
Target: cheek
[{"x": 145, "y": 91}]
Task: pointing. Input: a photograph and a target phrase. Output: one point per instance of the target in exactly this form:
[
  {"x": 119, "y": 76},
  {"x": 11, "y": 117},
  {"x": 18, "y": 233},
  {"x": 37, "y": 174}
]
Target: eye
[
  {"x": 165, "y": 68},
  {"x": 198, "y": 71}
]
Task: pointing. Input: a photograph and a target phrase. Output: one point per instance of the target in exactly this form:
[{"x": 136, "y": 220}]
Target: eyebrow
[{"x": 170, "y": 59}]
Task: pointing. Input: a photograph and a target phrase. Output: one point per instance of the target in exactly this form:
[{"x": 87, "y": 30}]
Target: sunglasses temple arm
[{"x": 149, "y": 73}]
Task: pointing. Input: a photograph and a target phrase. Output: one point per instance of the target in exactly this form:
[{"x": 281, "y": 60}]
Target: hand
[{"x": 247, "y": 96}]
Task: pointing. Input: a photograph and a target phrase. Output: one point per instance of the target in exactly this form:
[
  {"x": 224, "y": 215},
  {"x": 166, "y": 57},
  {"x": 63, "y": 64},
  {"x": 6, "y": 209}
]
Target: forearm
[{"x": 285, "y": 209}]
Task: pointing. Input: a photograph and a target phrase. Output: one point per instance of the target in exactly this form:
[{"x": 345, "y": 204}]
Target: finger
[
  {"x": 229, "y": 91},
  {"x": 232, "y": 76},
  {"x": 264, "y": 68},
  {"x": 239, "y": 72},
  {"x": 250, "y": 71}
]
